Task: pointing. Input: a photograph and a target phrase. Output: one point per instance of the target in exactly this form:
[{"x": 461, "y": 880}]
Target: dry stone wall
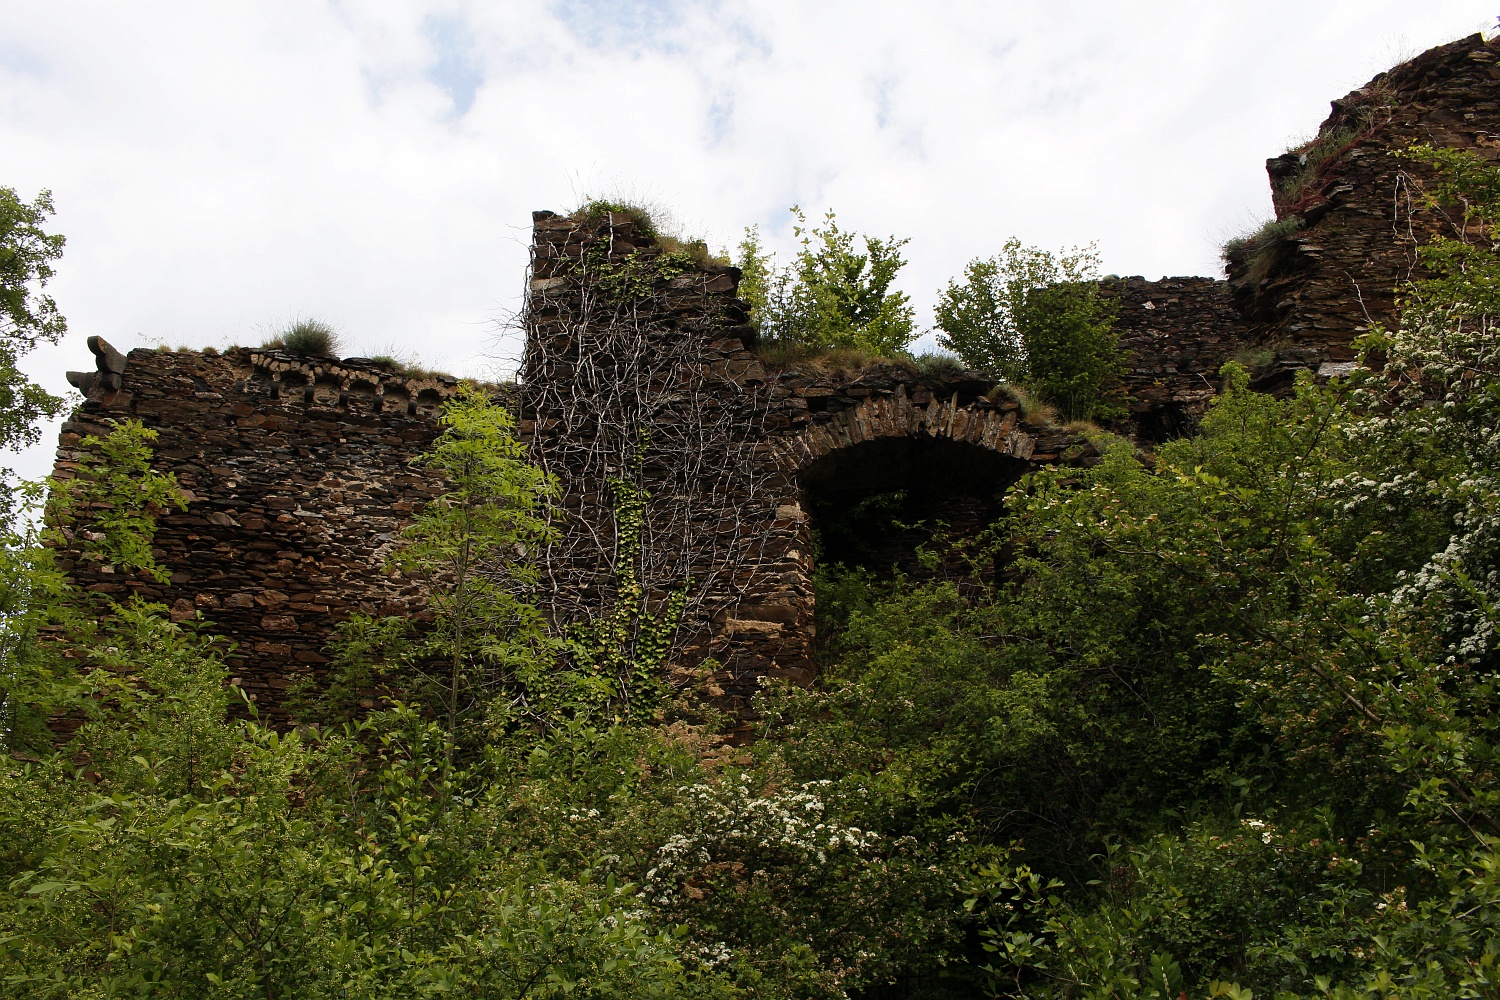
[
  {"x": 1175, "y": 335},
  {"x": 640, "y": 369},
  {"x": 299, "y": 476},
  {"x": 300, "y": 473},
  {"x": 1357, "y": 200}
]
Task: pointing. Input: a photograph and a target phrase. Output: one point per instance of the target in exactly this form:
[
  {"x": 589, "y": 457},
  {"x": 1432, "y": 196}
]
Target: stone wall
[
  {"x": 659, "y": 386},
  {"x": 1360, "y": 213},
  {"x": 1175, "y": 335},
  {"x": 300, "y": 472},
  {"x": 641, "y": 376},
  {"x": 298, "y": 475}
]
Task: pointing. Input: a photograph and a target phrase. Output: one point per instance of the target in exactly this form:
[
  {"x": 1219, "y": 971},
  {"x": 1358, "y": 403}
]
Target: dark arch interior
[{"x": 874, "y": 503}]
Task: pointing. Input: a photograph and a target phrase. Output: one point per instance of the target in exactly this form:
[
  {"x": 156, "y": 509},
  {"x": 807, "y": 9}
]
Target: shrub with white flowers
[{"x": 776, "y": 878}]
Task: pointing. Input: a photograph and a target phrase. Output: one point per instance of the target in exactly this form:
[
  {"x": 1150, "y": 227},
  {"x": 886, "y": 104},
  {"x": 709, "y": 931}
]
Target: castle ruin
[{"x": 300, "y": 471}]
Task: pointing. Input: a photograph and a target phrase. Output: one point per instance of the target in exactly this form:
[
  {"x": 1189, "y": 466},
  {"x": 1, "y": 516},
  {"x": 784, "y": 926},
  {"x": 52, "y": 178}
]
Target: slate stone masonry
[{"x": 298, "y": 475}]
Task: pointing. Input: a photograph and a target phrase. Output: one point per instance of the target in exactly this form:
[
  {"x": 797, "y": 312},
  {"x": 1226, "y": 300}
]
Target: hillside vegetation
[{"x": 1226, "y": 726}]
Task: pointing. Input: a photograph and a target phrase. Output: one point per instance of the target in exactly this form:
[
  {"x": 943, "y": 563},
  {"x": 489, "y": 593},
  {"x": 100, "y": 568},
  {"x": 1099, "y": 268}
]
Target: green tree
[
  {"x": 472, "y": 544},
  {"x": 108, "y": 512},
  {"x": 27, "y": 317},
  {"x": 832, "y": 295},
  {"x": 168, "y": 850},
  {"x": 1034, "y": 318},
  {"x": 34, "y": 599}
]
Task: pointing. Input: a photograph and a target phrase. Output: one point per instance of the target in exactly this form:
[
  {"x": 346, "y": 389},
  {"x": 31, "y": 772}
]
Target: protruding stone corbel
[{"x": 110, "y": 374}]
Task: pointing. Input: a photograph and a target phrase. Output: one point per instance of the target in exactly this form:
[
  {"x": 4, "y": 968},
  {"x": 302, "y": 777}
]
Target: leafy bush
[
  {"x": 1228, "y": 725},
  {"x": 27, "y": 317},
  {"x": 832, "y": 295},
  {"x": 1031, "y": 318}
]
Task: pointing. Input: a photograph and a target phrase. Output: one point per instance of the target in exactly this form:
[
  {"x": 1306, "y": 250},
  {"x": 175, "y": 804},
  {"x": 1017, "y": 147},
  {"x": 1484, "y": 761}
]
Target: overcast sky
[{"x": 222, "y": 168}]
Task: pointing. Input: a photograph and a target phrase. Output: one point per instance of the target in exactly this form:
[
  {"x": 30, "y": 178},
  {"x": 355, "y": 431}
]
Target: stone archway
[
  {"x": 867, "y": 477},
  {"x": 994, "y": 426},
  {"x": 946, "y": 446},
  {"x": 873, "y": 503}
]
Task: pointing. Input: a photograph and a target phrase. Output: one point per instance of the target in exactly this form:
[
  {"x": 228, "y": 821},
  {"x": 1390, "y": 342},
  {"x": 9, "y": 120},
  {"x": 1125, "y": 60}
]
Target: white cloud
[{"x": 222, "y": 168}]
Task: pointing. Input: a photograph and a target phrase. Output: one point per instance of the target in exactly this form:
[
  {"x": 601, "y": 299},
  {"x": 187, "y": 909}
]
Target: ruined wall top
[
  {"x": 1349, "y": 208},
  {"x": 299, "y": 476}
]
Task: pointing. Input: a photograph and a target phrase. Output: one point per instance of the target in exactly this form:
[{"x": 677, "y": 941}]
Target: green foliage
[
  {"x": 639, "y": 215},
  {"x": 938, "y": 366},
  {"x": 167, "y": 850},
  {"x": 619, "y": 658},
  {"x": 310, "y": 338},
  {"x": 294, "y": 867},
  {"x": 1034, "y": 318},
  {"x": 369, "y": 657},
  {"x": 27, "y": 317},
  {"x": 1234, "y": 715},
  {"x": 26, "y": 255},
  {"x": 109, "y": 510},
  {"x": 790, "y": 889},
  {"x": 673, "y": 255},
  {"x": 35, "y": 681},
  {"x": 832, "y": 295},
  {"x": 1256, "y": 255},
  {"x": 632, "y": 278},
  {"x": 1228, "y": 726},
  {"x": 779, "y": 354},
  {"x": 469, "y": 543},
  {"x": 1071, "y": 354}
]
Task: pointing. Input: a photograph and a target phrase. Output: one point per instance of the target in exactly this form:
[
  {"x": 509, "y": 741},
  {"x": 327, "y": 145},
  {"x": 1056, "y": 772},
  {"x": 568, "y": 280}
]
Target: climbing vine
[
  {"x": 633, "y": 277},
  {"x": 622, "y": 653},
  {"x": 653, "y": 444}
]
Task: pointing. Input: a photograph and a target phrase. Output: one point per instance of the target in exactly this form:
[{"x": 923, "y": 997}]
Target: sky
[{"x": 223, "y": 169}]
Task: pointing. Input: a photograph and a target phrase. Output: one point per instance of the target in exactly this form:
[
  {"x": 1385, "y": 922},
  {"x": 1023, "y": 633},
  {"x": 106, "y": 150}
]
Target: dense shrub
[
  {"x": 832, "y": 295},
  {"x": 1033, "y": 318},
  {"x": 1228, "y": 725}
]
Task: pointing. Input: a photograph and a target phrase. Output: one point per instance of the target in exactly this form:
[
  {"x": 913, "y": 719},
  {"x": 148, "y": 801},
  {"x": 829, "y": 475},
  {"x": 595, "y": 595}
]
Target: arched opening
[
  {"x": 394, "y": 398},
  {"x": 875, "y": 504}
]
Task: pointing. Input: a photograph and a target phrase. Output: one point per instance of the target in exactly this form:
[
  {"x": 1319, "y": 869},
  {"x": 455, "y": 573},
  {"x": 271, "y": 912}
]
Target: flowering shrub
[{"x": 769, "y": 881}]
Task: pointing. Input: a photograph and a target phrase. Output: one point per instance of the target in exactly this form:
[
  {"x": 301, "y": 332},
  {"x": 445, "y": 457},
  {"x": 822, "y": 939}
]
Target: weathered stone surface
[
  {"x": 726, "y": 444},
  {"x": 1361, "y": 213},
  {"x": 1176, "y": 334},
  {"x": 295, "y": 501}
]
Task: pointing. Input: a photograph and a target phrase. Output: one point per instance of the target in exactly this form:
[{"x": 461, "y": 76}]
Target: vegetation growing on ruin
[
  {"x": 1036, "y": 319},
  {"x": 600, "y": 209},
  {"x": 1025, "y": 317},
  {"x": 311, "y": 338},
  {"x": 1224, "y": 726},
  {"x": 1256, "y": 255},
  {"x": 643, "y": 220},
  {"x": 836, "y": 293},
  {"x": 1359, "y": 116}
]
